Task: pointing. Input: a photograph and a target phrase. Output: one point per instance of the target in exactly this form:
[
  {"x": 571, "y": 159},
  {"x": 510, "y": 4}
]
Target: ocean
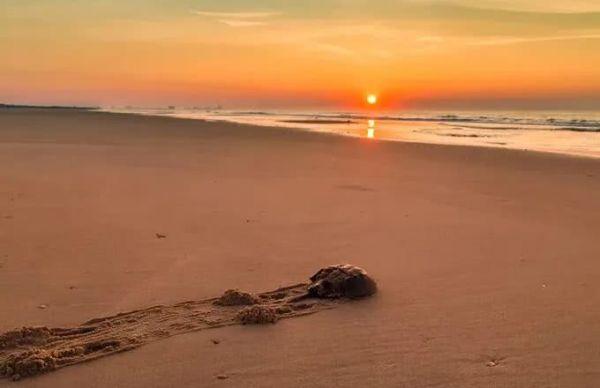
[{"x": 572, "y": 133}]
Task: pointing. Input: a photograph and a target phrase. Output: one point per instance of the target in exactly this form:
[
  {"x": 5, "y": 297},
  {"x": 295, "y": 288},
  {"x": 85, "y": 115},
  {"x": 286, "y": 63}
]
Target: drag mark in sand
[{"x": 31, "y": 351}]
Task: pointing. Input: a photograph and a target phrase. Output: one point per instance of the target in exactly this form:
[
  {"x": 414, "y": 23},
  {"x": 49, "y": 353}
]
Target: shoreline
[
  {"x": 291, "y": 129},
  {"x": 49, "y": 107},
  {"x": 289, "y": 124}
]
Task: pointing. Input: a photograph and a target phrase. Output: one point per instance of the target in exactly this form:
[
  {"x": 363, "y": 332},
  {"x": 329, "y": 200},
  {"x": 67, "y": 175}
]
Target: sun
[{"x": 372, "y": 99}]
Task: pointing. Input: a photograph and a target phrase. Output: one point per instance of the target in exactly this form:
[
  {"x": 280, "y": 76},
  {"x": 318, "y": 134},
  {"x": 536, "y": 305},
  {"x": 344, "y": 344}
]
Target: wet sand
[{"x": 486, "y": 259}]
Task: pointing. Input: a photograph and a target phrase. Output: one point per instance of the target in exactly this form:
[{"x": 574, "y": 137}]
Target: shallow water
[{"x": 573, "y": 133}]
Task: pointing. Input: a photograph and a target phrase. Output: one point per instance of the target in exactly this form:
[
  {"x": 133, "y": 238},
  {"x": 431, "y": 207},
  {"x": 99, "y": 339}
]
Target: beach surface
[{"x": 487, "y": 260}]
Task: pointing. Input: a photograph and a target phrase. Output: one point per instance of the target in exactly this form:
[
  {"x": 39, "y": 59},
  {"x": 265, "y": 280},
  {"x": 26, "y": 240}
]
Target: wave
[
  {"x": 556, "y": 121},
  {"x": 492, "y": 122}
]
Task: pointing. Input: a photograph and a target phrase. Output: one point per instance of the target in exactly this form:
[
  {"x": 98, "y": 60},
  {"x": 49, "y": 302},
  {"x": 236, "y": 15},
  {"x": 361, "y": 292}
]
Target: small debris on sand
[
  {"x": 42, "y": 306},
  {"x": 494, "y": 361},
  {"x": 222, "y": 377},
  {"x": 28, "y": 363},
  {"x": 215, "y": 341},
  {"x": 257, "y": 315},
  {"x": 236, "y": 298},
  {"x": 158, "y": 235}
]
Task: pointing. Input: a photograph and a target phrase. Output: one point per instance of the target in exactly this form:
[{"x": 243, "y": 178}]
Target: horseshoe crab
[{"x": 338, "y": 281}]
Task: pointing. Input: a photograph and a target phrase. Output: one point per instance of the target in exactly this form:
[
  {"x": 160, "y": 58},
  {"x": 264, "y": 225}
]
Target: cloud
[
  {"x": 498, "y": 41},
  {"x": 239, "y": 19},
  {"x": 544, "y": 6},
  {"x": 241, "y": 22},
  {"x": 238, "y": 15}
]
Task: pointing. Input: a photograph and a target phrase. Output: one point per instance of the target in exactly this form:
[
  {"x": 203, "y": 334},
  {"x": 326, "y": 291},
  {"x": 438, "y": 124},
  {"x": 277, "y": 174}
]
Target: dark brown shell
[{"x": 338, "y": 281}]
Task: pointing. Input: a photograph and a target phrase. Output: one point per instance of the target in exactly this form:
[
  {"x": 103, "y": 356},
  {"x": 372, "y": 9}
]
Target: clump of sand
[
  {"x": 236, "y": 298},
  {"x": 25, "y": 336},
  {"x": 257, "y": 315},
  {"x": 28, "y": 363}
]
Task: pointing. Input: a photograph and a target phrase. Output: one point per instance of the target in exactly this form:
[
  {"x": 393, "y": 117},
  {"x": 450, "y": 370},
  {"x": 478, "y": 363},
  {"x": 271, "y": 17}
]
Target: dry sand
[{"x": 487, "y": 260}]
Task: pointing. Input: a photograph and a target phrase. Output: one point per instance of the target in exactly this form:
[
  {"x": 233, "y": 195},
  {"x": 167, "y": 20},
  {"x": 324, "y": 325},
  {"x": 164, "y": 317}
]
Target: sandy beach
[{"x": 487, "y": 260}]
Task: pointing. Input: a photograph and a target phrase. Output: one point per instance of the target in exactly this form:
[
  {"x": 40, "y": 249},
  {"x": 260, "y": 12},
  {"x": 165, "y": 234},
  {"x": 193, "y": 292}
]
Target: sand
[
  {"x": 486, "y": 259},
  {"x": 33, "y": 351}
]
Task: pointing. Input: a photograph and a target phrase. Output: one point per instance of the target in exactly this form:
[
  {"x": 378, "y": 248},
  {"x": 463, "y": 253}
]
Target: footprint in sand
[{"x": 31, "y": 351}]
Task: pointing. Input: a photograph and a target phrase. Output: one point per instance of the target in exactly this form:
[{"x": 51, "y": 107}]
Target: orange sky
[{"x": 329, "y": 53}]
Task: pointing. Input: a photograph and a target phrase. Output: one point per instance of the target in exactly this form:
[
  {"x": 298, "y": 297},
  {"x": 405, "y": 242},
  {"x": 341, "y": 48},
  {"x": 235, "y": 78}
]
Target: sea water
[{"x": 572, "y": 133}]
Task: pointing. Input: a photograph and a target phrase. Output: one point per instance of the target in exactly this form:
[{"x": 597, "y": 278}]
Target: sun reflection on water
[{"x": 371, "y": 129}]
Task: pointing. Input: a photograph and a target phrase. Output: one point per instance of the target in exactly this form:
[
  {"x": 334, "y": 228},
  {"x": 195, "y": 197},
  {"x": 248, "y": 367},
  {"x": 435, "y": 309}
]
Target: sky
[{"x": 285, "y": 54}]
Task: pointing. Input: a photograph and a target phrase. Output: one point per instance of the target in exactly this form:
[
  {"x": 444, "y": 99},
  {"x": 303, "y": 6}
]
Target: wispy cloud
[
  {"x": 241, "y": 22},
  {"x": 516, "y": 40},
  {"x": 544, "y": 6},
  {"x": 239, "y": 19},
  {"x": 237, "y": 15}
]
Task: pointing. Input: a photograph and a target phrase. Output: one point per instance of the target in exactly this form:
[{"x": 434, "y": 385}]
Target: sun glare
[
  {"x": 372, "y": 99},
  {"x": 371, "y": 129}
]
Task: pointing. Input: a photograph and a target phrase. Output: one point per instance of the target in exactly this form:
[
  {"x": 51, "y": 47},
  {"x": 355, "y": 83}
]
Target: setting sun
[{"x": 372, "y": 99}]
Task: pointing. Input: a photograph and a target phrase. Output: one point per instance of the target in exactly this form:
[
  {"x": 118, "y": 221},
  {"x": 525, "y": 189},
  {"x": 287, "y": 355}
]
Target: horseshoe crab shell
[{"x": 338, "y": 281}]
